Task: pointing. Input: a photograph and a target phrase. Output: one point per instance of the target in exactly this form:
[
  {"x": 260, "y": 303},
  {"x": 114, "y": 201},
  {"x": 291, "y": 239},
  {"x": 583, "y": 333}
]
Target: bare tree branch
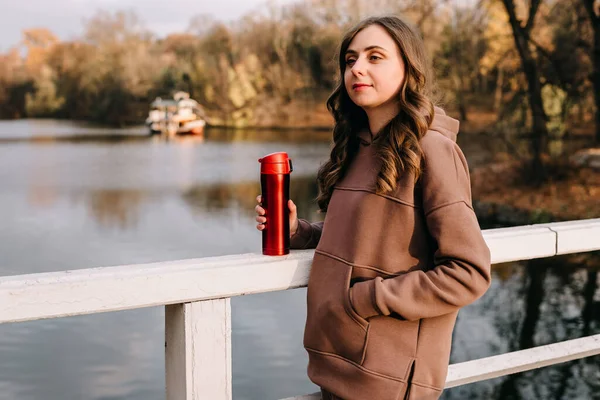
[{"x": 533, "y": 9}]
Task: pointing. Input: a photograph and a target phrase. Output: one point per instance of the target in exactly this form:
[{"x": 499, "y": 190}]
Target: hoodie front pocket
[
  {"x": 392, "y": 346},
  {"x": 331, "y": 324}
]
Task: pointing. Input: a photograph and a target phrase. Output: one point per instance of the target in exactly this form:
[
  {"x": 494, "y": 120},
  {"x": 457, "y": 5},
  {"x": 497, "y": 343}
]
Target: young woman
[{"x": 400, "y": 250}]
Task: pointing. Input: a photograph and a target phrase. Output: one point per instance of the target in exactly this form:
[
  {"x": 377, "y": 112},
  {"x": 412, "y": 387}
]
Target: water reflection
[
  {"x": 202, "y": 198},
  {"x": 116, "y": 208},
  {"x": 43, "y": 131},
  {"x": 121, "y": 208},
  {"x": 32, "y": 129},
  {"x": 268, "y": 135},
  {"x": 536, "y": 303}
]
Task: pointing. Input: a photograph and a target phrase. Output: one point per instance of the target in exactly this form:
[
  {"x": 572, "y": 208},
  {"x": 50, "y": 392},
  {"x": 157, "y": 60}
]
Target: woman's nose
[{"x": 358, "y": 68}]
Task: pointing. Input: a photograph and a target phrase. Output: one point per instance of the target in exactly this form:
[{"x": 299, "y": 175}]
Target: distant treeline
[{"x": 251, "y": 71}]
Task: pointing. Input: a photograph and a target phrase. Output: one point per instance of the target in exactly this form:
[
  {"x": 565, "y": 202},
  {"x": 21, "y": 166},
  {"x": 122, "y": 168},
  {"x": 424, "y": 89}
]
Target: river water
[{"x": 76, "y": 196}]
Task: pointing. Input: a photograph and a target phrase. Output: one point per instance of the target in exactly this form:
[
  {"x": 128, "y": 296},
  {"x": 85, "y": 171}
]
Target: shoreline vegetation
[{"x": 270, "y": 67}]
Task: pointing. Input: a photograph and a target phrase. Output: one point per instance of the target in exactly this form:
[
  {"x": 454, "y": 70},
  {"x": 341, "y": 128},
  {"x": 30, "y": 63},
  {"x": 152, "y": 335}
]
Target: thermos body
[
  {"x": 275, "y": 196},
  {"x": 275, "y": 187}
]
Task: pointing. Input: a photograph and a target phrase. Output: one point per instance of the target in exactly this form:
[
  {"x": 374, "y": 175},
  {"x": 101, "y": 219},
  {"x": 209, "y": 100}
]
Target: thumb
[{"x": 292, "y": 207}]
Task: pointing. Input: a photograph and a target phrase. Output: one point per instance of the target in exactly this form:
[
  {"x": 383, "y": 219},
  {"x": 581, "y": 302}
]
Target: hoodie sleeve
[
  {"x": 307, "y": 235},
  {"x": 461, "y": 271}
]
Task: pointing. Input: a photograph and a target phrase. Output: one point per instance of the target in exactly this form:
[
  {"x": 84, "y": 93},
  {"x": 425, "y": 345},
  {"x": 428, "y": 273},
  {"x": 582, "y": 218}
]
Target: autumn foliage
[{"x": 276, "y": 67}]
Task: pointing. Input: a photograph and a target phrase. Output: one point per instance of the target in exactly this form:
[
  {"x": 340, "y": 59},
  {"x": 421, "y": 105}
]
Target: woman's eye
[
  {"x": 350, "y": 61},
  {"x": 374, "y": 57}
]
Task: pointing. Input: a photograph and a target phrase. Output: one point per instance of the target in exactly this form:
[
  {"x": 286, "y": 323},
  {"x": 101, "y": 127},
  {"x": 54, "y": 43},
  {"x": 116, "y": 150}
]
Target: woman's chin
[{"x": 362, "y": 102}]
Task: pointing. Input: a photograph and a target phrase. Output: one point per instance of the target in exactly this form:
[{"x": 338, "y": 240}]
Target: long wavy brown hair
[{"x": 397, "y": 143}]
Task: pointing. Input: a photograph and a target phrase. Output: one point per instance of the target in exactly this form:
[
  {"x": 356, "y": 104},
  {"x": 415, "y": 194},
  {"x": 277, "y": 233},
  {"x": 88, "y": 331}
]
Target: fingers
[
  {"x": 261, "y": 222},
  {"x": 259, "y": 210}
]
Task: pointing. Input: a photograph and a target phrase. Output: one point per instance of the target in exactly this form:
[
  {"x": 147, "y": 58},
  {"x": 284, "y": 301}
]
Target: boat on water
[{"x": 180, "y": 115}]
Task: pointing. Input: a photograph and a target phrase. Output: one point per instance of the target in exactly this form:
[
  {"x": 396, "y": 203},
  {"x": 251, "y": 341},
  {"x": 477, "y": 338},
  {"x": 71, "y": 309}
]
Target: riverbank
[
  {"x": 501, "y": 195},
  {"x": 500, "y": 190}
]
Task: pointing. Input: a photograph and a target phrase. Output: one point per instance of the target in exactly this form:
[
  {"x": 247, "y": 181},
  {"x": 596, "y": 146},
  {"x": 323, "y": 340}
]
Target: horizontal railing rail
[{"x": 197, "y": 294}]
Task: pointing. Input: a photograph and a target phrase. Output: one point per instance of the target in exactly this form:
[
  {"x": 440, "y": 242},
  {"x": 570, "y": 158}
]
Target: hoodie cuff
[
  {"x": 362, "y": 299},
  {"x": 301, "y": 237}
]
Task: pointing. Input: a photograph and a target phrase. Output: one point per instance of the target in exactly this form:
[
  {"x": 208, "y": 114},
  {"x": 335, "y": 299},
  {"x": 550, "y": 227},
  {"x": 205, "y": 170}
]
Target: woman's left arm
[{"x": 461, "y": 272}]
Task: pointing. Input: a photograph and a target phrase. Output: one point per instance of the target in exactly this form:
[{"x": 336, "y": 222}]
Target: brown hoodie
[{"x": 390, "y": 273}]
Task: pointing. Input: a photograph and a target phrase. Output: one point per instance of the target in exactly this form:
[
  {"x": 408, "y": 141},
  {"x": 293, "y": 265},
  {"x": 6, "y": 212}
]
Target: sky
[{"x": 65, "y": 18}]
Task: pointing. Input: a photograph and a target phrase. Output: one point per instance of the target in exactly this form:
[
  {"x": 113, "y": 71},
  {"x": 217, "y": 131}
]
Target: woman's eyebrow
[{"x": 374, "y": 47}]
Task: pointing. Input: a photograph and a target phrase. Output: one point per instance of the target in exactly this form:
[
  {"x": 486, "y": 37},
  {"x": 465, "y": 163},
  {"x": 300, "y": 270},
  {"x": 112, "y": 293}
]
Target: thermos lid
[{"x": 276, "y": 163}]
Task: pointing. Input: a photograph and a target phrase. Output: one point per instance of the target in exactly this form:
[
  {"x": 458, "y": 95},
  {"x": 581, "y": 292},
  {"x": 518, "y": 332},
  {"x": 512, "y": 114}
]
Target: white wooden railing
[{"x": 197, "y": 296}]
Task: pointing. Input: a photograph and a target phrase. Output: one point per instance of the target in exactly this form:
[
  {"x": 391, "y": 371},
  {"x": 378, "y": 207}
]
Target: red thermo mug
[{"x": 275, "y": 170}]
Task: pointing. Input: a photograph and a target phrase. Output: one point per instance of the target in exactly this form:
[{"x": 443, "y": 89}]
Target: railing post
[{"x": 198, "y": 350}]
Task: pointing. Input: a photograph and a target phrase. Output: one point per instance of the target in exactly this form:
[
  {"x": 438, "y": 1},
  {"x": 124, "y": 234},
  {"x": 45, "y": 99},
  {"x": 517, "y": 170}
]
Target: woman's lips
[{"x": 360, "y": 86}]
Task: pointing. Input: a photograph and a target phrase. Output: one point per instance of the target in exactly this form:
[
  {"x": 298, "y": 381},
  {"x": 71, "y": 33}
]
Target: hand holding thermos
[
  {"x": 275, "y": 205},
  {"x": 262, "y": 220}
]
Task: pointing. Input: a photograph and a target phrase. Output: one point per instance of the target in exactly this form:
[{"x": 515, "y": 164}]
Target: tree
[
  {"x": 462, "y": 48},
  {"x": 120, "y": 74},
  {"x": 14, "y": 85},
  {"x": 521, "y": 35},
  {"x": 593, "y": 9},
  {"x": 44, "y": 102}
]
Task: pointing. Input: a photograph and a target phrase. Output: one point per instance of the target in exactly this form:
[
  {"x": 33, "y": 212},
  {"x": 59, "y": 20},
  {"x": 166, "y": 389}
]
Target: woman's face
[{"x": 374, "y": 68}]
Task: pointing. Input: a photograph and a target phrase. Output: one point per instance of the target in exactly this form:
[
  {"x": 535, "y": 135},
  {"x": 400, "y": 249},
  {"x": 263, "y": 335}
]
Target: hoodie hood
[
  {"x": 444, "y": 124},
  {"x": 441, "y": 123}
]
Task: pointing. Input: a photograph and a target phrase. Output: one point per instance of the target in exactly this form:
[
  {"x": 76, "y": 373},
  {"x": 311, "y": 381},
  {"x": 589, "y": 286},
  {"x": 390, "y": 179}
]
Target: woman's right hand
[{"x": 261, "y": 219}]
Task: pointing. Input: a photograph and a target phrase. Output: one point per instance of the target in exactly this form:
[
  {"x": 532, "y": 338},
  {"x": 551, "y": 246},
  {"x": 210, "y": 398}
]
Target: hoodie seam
[
  {"x": 363, "y": 369},
  {"x": 426, "y": 386},
  {"x": 348, "y": 306},
  {"x": 391, "y": 198},
  {"x": 340, "y": 259},
  {"x": 366, "y": 345},
  {"x": 436, "y": 208}
]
